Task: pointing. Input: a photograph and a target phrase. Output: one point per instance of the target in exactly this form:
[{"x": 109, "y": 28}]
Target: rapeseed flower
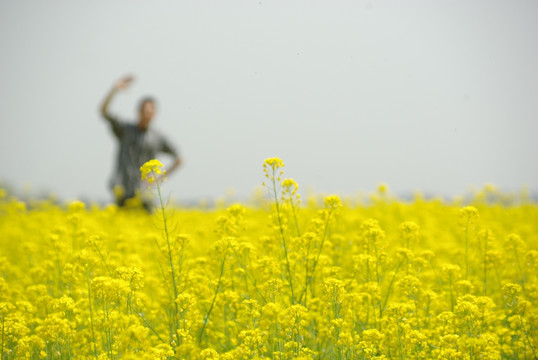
[
  {"x": 151, "y": 169},
  {"x": 416, "y": 280}
]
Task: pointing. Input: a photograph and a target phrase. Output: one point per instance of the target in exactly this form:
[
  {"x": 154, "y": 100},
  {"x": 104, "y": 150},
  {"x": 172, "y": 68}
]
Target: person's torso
[{"x": 138, "y": 146}]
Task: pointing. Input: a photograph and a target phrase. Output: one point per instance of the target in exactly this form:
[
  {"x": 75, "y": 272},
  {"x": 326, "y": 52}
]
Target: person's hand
[{"x": 123, "y": 83}]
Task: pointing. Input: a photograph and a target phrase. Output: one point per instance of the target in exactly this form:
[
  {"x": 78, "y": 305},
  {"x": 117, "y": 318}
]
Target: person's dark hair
[{"x": 145, "y": 100}]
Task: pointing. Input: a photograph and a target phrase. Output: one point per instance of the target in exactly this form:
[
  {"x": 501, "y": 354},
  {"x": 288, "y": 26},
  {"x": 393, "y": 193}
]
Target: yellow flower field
[{"x": 326, "y": 278}]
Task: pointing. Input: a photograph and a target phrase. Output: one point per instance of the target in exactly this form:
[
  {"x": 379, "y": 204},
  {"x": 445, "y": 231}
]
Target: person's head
[{"x": 147, "y": 112}]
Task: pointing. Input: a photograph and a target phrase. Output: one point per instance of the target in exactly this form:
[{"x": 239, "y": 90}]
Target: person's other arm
[
  {"x": 169, "y": 148},
  {"x": 176, "y": 164}
]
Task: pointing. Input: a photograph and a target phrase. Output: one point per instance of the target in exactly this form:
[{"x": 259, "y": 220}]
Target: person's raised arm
[{"x": 121, "y": 84}]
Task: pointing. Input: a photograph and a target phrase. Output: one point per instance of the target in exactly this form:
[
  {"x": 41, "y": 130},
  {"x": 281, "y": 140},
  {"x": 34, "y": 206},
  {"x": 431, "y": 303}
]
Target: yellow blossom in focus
[
  {"x": 151, "y": 169},
  {"x": 273, "y": 162}
]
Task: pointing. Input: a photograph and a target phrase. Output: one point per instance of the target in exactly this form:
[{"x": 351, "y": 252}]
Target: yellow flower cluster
[
  {"x": 331, "y": 279},
  {"x": 151, "y": 169}
]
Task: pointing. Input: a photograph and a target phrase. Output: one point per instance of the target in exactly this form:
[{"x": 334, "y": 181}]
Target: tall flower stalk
[
  {"x": 332, "y": 203},
  {"x": 152, "y": 172},
  {"x": 271, "y": 168},
  {"x": 468, "y": 216}
]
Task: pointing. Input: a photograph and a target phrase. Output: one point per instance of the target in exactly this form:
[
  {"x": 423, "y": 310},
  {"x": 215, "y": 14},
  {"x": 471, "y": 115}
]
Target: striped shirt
[{"x": 136, "y": 146}]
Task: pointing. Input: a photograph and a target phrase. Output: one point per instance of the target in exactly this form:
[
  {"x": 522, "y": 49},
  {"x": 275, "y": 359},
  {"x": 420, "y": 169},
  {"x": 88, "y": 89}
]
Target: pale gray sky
[{"x": 425, "y": 95}]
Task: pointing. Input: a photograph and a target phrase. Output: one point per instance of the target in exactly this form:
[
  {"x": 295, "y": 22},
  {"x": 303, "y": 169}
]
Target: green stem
[
  {"x": 416, "y": 313},
  {"x": 279, "y": 216},
  {"x": 400, "y": 340},
  {"x": 485, "y": 266},
  {"x": 390, "y": 287},
  {"x": 311, "y": 276},
  {"x": 165, "y": 223},
  {"x": 467, "y": 250},
  {"x": 451, "y": 294},
  {"x": 470, "y": 334},
  {"x": 206, "y": 317},
  {"x": 248, "y": 276},
  {"x": 306, "y": 273},
  {"x": 2, "y": 350},
  {"x": 148, "y": 325},
  {"x": 295, "y": 219},
  {"x": 91, "y": 315},
  {"x": 526, "y": 335},
  {"x": 519, "y": 268},
  {"x": 377, "y": 266},
  {"x": 102, "y": 258}
]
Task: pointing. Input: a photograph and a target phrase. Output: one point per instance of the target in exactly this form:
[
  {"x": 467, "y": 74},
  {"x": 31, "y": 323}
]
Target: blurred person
[{"x": 138, "y": 143}]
